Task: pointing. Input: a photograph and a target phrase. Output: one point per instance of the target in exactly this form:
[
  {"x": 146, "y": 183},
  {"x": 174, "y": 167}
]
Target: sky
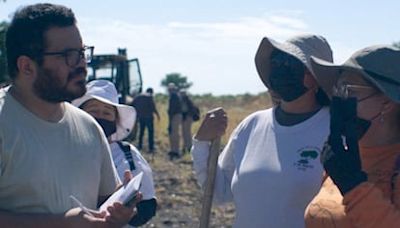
[{"x": 213, "y": 42}]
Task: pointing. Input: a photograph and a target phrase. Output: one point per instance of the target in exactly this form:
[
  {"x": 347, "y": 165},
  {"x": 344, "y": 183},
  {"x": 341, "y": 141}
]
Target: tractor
[{"x": 117, "y": 68}]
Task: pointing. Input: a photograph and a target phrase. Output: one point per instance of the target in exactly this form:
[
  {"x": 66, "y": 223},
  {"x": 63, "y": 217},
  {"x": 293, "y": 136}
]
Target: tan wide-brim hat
[
  {"x": 106, "y": 92},
  {"x": 301, "y": 47},
  {"x": 379, "y": 64}
]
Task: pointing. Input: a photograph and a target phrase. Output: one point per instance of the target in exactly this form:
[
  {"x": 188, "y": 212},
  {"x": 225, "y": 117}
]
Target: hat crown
[
  {"x": 301, "y": 47},
  {"x": 312, "y": 45},
  {"x": 383, "y": 60},
  {"x": 104, "y": 89}
]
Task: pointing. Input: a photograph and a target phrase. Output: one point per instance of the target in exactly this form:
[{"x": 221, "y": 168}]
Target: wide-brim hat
[
  {"x": 379, "y": 65},
  {"x": 105, "y": 91},
  {"x": 301, "y": 47}
]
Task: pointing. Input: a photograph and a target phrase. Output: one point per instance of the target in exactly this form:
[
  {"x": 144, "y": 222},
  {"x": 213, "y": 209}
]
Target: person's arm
[
  {"x": 146, "y": 209},
  {"x": 225, "y": 169},
  {"x": 116, "y": 214},
  {"x": 155, "y": 111},
  {"x": 214, "y": 125},
  {"x": 135, "y": 101}
]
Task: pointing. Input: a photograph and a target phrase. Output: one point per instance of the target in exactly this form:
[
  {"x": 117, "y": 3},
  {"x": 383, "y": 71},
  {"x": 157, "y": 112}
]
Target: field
[{"x": 178, "y": 194}]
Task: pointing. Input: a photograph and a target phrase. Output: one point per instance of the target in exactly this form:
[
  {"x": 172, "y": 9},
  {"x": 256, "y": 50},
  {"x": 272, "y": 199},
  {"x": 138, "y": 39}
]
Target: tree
[
  {"x": 179, "y": 80},
  {"x": 3, "y": 63},
  {"x": 397, "y": 44}
]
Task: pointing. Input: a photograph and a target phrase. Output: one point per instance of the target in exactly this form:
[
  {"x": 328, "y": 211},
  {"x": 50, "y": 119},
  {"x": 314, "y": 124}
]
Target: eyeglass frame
[
  {"x": 343, "y": 91},
  {"x": 81, "y": 55}
]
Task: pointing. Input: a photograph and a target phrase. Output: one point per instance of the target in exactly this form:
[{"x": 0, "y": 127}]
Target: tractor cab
[{"x": 123, "y": 72}]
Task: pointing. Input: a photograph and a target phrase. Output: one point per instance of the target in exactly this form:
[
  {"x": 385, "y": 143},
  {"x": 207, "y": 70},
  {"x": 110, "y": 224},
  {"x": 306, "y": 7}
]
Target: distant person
[
  {"x": 362, "y": 154},
  {"x": 174, "y": 121},
  {"x": 270, "y": 166},
  {"x": 49, "y": 149},
  {"x": 146, "y": 108},
  {"x": 188, "y": 109},
  {"x": 116, "y": 120}
]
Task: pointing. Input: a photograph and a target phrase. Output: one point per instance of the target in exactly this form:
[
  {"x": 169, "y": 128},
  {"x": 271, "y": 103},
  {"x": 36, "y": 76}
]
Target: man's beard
[{"x": 50, "y": 88}]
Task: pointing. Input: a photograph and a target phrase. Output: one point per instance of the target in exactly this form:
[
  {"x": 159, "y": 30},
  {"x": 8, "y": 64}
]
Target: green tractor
[{"x": 117, "y": 68}]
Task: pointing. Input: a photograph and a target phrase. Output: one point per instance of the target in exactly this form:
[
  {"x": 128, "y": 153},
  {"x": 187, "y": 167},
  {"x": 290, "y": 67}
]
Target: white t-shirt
[
  {"x": 271, "y": 172},
  {"x": 43, "y": 163},
  {"x": 141, "y": 165}
]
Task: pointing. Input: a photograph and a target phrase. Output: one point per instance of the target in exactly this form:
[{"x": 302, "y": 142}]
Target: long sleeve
[
  {"x": 146, "y": 209},
  {"x": 147, "y": 185},
  {"x": 224, "y": 173}
]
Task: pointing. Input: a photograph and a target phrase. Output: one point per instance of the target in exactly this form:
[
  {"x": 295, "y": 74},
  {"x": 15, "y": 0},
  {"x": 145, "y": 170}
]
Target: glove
[{"x": 342, "y": 164}]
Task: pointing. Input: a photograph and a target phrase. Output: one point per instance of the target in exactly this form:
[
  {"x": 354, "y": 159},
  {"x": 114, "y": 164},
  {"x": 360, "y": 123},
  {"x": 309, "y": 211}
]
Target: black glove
[{"x": 342, "y": 164}]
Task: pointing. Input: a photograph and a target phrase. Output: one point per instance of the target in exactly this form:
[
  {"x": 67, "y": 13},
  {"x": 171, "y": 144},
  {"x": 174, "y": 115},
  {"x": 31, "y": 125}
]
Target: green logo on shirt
[{"x": 306, "y": 158}]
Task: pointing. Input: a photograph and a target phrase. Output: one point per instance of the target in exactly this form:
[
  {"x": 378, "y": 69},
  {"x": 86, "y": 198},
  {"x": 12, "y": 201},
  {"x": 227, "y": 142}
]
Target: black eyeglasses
[{"x": 74, "y": 56}]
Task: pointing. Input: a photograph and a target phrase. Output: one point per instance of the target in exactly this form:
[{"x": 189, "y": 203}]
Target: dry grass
[
  {"x": 237, "y": 107},
  {"x": 179, "y": 196}
]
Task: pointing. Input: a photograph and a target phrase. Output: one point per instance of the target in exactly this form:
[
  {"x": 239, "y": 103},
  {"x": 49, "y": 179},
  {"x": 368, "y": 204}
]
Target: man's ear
[{"x": 26, "y": 66}]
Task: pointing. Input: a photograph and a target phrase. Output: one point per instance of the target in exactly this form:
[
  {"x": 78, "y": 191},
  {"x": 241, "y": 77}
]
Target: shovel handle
[{"x": 209, "y": 188}]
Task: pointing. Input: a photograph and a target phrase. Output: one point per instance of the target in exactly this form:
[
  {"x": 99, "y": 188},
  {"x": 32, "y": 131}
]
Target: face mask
[
  {"x": 348, "y": 107},
  {"x": 109, "y": 127},
  {"x": 287, "y": 76},
  {"x": 362, "y": 125}
]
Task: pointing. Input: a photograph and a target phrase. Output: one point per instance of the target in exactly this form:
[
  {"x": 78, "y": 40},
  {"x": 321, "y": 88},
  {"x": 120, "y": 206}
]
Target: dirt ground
[{"x": 179, "y": 196}]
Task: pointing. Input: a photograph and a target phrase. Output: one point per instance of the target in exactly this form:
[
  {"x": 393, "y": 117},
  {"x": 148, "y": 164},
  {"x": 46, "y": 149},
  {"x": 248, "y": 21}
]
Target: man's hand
[
  {"x": 343, "y": 164},
  {"x": 213, "y": 125},
  {"x": 78, "y": 218}
]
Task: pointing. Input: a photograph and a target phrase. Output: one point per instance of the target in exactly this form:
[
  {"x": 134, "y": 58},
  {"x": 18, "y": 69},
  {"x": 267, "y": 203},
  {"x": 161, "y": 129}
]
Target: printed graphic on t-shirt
[{"x": 306, "y": 158}]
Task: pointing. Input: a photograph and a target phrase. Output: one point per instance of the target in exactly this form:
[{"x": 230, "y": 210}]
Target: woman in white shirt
[
  {"x": 117, "y": 120},
  {"x": 270, "y": 166}
]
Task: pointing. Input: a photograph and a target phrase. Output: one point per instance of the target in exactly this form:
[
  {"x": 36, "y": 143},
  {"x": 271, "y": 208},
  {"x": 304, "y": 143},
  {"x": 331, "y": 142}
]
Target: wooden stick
[{"x": 209, "y": 188}]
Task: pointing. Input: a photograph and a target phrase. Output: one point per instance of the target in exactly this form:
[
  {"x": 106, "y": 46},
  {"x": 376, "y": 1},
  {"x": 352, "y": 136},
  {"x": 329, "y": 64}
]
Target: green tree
[
  {"x": 3, "y": 63},
  {"x": 179, "y": 80},
  {"x": 397, "y": 44}
]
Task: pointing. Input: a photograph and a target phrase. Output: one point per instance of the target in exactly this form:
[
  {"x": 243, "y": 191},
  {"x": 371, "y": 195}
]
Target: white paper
[{"x": 125, "y": 193}]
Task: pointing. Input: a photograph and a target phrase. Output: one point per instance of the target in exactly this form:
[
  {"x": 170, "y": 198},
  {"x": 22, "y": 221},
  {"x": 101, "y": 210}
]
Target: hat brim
[
  {"x": 263, "y": 54},
  {"x": 327, "y": 74},
  {"x": 126, "y": 115}
]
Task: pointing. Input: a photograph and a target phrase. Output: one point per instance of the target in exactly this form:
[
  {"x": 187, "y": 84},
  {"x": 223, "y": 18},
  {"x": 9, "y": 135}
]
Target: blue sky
[{"x": 213, "y": 42}]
